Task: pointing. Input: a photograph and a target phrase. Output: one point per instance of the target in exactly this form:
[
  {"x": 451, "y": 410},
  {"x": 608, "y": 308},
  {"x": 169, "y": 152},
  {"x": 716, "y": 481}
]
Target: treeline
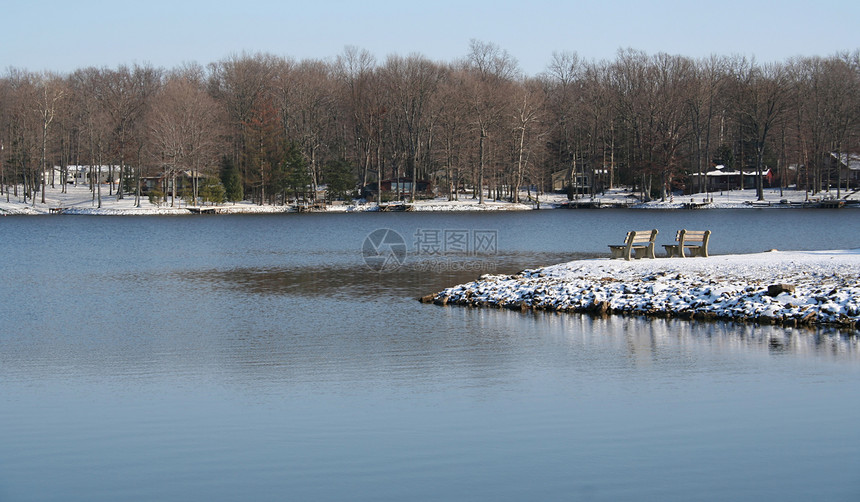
[{"x": 271, "y": 128}]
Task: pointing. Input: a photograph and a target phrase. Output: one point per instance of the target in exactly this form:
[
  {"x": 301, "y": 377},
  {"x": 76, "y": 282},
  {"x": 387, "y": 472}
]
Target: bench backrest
[
  {"x": 692, "y": 235},
  {"x": 640, "y": 236}
]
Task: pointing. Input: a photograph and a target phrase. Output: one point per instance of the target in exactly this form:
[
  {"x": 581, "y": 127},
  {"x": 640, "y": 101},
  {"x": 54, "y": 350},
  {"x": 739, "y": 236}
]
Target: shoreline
[
  {"x": 796, "y": 288},
  {"x": 78, "y": 201}
]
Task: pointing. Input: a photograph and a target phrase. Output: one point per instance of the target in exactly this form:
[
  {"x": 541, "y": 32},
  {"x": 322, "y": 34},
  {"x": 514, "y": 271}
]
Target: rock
[
  {"x": 768, "y": 320},
  {"x": 427, "y": 299},
  {"x": 600, "y": 307},
  {"x": 442, "y": 300},
  {"x": 809, "y": 318},
  {"x": 778, "y": 289}
]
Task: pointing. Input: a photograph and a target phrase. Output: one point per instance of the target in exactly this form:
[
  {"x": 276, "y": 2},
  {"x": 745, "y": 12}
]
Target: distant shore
[
  {"x": 794, "y": 288},
  {"x": 79, "y": 200}
]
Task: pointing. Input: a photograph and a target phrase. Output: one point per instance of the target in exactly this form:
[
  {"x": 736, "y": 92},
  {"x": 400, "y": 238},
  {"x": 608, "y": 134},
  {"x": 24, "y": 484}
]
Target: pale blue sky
[{"x": 63, "y": 36}]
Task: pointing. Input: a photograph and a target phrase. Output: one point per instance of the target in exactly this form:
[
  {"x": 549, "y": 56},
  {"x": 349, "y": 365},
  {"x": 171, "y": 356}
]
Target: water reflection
[
  {"x": 645, "y": 341},
  {"x": 352, "y": 278}
]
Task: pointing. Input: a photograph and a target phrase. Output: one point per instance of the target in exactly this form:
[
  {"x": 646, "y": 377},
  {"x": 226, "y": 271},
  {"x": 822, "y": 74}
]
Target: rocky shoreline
[{"x": 811, "y": 288}]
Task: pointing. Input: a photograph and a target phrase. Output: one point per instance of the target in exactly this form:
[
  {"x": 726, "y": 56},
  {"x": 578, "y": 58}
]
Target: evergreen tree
[
  {"x": 340, "y": 180},
  {"x": 213, "y": 191},
  {"x": 231, "y": 180},
  {"x": 296, "y": 176}
]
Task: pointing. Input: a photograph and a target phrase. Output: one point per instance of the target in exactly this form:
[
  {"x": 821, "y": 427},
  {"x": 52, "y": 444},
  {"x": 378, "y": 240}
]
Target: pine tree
[
  {"x": 297, "y": 177},
  {"x": 231, "y": 181},
  {"x": 340, "y": 180}
]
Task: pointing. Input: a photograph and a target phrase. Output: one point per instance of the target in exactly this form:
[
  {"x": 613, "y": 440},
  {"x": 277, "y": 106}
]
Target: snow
[
  {"x": 733, "y": 287},
  {"x": 79, "y": 200}
]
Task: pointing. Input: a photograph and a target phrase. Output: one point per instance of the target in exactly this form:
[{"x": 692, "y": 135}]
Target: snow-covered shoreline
[
  {"x": 826, "y": 288},
  {"x": 79, "y": 200}
]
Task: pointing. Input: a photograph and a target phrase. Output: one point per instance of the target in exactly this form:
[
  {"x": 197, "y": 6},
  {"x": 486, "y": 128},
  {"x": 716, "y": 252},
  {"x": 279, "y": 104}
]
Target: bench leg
[{"x": 698, "y": 251}]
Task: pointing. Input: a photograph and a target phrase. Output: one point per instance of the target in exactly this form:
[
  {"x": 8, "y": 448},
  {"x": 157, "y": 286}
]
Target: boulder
[{"x": 778, "y": 289}]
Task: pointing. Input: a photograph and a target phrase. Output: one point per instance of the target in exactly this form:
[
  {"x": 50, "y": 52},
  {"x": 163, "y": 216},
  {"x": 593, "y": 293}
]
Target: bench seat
[
  {"x": 696, "y": 241},
  {"x": 637, "y": 244}
]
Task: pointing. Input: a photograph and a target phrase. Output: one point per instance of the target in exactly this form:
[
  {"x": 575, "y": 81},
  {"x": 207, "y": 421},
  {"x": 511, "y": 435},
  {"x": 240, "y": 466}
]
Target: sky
[{"x": 62, "y": 36}]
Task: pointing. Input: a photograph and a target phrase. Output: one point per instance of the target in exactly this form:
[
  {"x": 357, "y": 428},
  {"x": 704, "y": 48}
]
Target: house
[
  {"x": 164, "y": 183},
  {"x": 80, "y": 175},
  {"x": 849, "y": 167},
  {"x": 395, "y": 186},
  {"x": 723, "y": 179},
  {"x": 582, "y": 183}
]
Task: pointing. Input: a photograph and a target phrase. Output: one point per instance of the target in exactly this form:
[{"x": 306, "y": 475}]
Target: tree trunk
[{"x": 481, "y": 167}]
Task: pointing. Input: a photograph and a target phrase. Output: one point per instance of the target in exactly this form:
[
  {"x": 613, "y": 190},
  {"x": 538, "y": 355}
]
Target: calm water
[{"x": 258, "y": 358}]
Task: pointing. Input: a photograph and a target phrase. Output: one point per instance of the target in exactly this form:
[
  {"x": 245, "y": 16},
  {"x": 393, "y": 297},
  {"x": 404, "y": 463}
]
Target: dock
[
  {"x": 593, "y": 204},
  {"x": 309, "y": 208},
  {"x": 395, "y": 206},
  {"x": 831, "y": 204},
  {"x": 207, "y": 210},
  {"x": 696, "y": 205}
]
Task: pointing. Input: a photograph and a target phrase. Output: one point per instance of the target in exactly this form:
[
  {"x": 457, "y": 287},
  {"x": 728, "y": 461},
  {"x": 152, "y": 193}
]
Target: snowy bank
[
  {"x": 806, "y": 288},
  {"x": 79, "y": 200}
]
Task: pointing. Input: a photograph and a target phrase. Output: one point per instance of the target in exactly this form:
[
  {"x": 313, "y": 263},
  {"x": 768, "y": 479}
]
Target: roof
[
  {"x": 719, "y": 173},
  {"x": 852, "y": 160}
]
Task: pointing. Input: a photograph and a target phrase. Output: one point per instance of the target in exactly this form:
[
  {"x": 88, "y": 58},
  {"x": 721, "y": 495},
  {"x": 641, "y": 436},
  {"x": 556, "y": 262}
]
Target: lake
[{"x": 261, "y": 357}]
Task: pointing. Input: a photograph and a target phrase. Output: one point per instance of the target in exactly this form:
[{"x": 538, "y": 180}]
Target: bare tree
[
  {"x": 306, "y": 96},
  {"x": 632, "y": 87},
  {"x": 184, "y": 128},
  {"x": 702, "y": 100},
  {"x": 492, "y": 72},
  {"x": 840, "y": 89},
  {"x": 125, "y": 94},
  {"x": 527, "y": 117},
  {"x": 239, "y": 83},
  {"x": 452, "y": 111},
  {"x": 673, "y": 76},
  {"x": 86, "y": 86},
  {"x": 762, "y": 100},
  {"x": 50, "y": 92},
  {"x": 360, "y": 99},
  {"x": 23, "y": 130},
  {"x": 413, "y": 84},
  {"x": 563, "y": 86}
]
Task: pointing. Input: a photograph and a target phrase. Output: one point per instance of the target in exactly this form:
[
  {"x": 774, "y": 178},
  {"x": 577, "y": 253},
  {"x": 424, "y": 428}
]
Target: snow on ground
[
  {"x": 733, "y": 287},
  {"x": 728, "y": 199},
  {"x": 79, "y": 200}
]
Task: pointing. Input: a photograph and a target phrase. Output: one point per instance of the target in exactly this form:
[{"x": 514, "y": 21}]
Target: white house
[
  {"x": 849, "y": 167},
  {"x": 80, "y": 175}
]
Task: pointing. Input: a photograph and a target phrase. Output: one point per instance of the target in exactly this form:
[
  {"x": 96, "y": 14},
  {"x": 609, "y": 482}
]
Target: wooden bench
[
  {"x": 694, "y": 240},
  {"x": 637, "y": 244}
]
